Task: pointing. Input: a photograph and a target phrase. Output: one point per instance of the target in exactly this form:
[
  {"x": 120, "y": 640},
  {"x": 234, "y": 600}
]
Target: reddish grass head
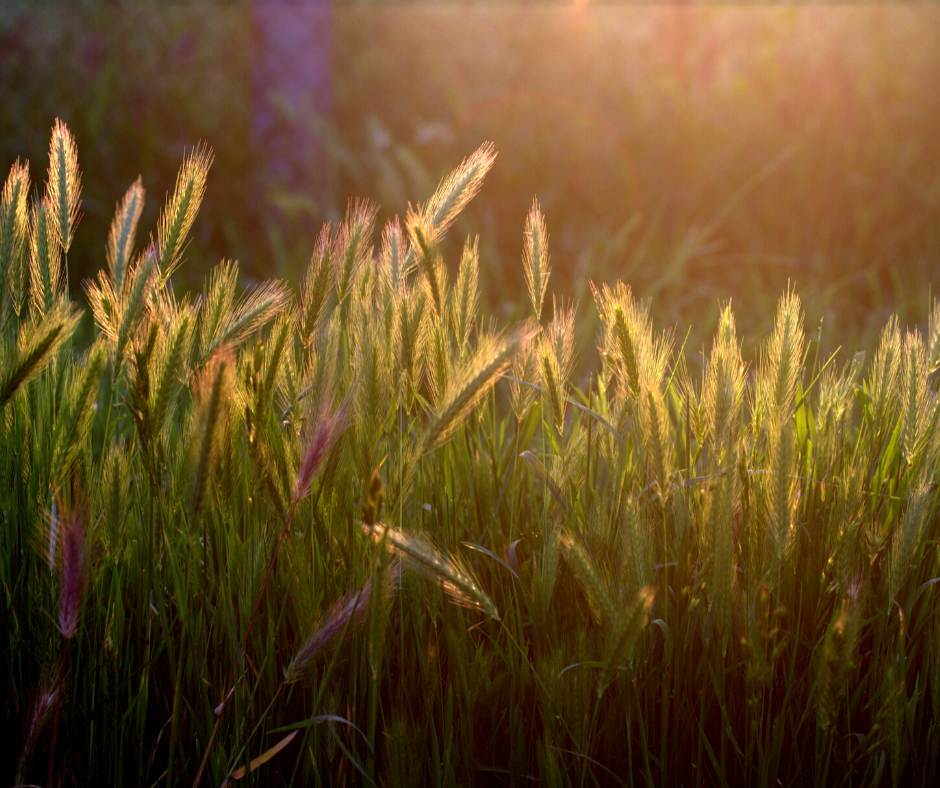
[
  {"x": 326, "y": 430},
  {"x": 71, "y": 525},
  {"x": 349, "y": 610}
]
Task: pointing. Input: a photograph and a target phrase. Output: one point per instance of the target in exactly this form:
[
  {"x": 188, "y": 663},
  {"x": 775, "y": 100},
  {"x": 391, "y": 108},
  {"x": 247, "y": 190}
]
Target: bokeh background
[{"x": 700, "y": 152}]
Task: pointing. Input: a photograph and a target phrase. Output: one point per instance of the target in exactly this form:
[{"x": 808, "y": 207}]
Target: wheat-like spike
[
  {"x": 524, "y": 370},
  {"x": 625, "y": 631},
  {"x": 14, "y": 231},
  {"x": 492, "y": 356},
  {"x": 65, "y": 183},
  {"x": 627, "y": 347},
  {"x": 226, "y": 321},
  {"x": 780, "y": 367},
  {"x": 914, "y": 398},
  {"x": 73, "y": 426},
  {"x": 177, "y": 218},
  {"x": 122, "y": 232},
  {"x": 170, "y": 369},
  {"x": 723, "y": 391},
  {"x": 836, "y": 400},
  {"x": 466, "y": 295},
  {"x": 350, "y": 610},
  {"x": 44, "y": 258},
  {"x": 553, "y": 386},
  {"x": 375, "y": 386},
  {"x": 884, "y": 376},
  {"x": 216, "y": 311},
  {"x": 556, "y": 360},
  {"x": 933, "y": 338},
  {"x": 449, "y": 571},
  {"x": 656, "y": 430},
  {"x": 391, "y": 259},
  {"x": 133, "y": 301},
  {"x": 115, "y": 493},
  {"x": 408, "y": 334},
  {"x": 784, "y": 356},
  {"x": 906, "y": 546},
  {"x": 318, "y": 292},
  {"x": 437, "y": 362},
  {"x": 589, "y": 576},
  {"x": 352, "y": 249},
  {"x": 216, "y": 385},
  {"x": 278, "y": 343},
  {"x": 261, "y": 304},
  {"x": 421, "y": 241},
  {"x": 782, "y": 494},
  {"x": 535, "y": 258},
  {"x": 104, "y": 305},
  {"x": 456, "y": 191},
  {"x": 636, "y": 561},
  {"x": 37, "y": 345}
]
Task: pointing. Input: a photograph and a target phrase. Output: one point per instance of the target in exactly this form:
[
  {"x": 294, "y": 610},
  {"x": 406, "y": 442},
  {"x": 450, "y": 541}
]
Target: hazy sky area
[{"x": 698, "y": 151}]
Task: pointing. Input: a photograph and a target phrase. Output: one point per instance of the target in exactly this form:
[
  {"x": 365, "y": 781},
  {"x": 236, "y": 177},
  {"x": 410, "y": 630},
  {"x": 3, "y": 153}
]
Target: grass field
[
  {"x": 369, "y": 536},
  {"x": 490, "y": 490}
]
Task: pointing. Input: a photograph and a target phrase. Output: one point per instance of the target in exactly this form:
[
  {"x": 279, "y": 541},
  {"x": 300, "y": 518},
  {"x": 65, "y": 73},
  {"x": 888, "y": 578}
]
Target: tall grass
[{"x": 246, "y": 516}]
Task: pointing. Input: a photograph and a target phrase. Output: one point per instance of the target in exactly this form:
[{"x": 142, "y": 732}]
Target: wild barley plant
[{"x": 667, "y": 583}]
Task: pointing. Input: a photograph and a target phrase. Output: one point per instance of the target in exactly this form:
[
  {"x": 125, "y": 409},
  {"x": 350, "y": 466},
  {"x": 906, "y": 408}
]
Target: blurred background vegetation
[{"x": 699, "y": 152}]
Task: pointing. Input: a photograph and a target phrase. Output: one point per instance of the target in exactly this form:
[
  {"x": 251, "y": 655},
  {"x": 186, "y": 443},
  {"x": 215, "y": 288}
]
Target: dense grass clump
[{"x": 361, "y": 535}]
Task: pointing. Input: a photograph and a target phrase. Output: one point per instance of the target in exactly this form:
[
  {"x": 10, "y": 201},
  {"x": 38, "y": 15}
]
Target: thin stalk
[
  {"x": 231, "y": 684},
  {"x": 58, "y": 705}
]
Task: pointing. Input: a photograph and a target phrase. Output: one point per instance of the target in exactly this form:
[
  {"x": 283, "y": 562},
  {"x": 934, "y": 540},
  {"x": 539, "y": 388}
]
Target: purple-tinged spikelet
[
  {"x": 72, "y": 559},
  {"x": 326, "y": 430},
  {"x": 40, "y": 711},
  {"x": 349, "y": 610}
]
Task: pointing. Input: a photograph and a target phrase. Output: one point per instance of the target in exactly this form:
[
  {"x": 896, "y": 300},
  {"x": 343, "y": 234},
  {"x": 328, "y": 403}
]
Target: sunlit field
[{"x": 493, "y": 396}]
